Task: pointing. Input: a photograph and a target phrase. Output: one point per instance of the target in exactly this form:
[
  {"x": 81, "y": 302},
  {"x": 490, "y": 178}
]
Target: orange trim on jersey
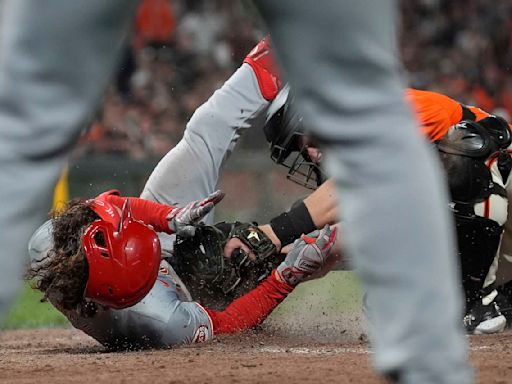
[
  {"x": 479, "y": 113},
  {"x": 436, "y": 113},
  {"x": 487, "y": 208}
]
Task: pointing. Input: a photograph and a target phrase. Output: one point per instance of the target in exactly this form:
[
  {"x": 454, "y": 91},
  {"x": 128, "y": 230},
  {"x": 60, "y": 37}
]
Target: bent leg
[{"x": 191, "y": 170}]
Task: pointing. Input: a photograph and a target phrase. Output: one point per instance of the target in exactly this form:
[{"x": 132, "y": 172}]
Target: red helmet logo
[{"x": 123, "y": 256}]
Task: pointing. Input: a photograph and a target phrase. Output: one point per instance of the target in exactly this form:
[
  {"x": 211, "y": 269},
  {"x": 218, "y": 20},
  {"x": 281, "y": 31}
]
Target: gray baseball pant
[
  {"x": 56, "y": 60},
  {"x": 340, "y": 58}
]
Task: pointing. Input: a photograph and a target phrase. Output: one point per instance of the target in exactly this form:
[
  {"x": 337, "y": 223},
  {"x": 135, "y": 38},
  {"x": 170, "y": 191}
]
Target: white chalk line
[
  {"x": 315, "y": 351},
  {"x": 335, "y": 350}
]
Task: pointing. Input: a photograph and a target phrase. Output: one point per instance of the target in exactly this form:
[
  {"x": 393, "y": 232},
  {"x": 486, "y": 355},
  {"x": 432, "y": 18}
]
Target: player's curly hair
[{"x": 65, "y": 271}]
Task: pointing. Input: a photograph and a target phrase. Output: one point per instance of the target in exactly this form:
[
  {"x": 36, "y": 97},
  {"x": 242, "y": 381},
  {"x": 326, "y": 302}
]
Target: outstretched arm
[
  {"x": 317, "y": 210},
  {"x": 251, "y": 309},
  {"x": 168, "y": 218},
  {"x": 164, "y": 317},
  {"x": 306, "y": 257}
]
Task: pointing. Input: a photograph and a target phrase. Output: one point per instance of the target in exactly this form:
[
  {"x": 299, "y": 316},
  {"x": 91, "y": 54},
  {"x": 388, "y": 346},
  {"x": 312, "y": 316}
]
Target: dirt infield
[{"x": 65, "y": 355}]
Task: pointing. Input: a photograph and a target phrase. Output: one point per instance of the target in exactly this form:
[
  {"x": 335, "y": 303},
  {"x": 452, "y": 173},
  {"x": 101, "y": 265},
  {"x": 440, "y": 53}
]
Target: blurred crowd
[
  {"x": 461, "y": 48},
  {"x": 179, "y": 53},
  {"x": 182, "y": 50}
]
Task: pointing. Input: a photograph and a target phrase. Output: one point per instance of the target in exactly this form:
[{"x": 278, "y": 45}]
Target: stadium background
[{"x": 181, "y": 51}]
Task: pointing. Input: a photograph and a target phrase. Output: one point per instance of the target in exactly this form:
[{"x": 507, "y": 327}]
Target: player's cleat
[
  {"x": 505, "y": 307},
  {"x": 485, "y": 317}
]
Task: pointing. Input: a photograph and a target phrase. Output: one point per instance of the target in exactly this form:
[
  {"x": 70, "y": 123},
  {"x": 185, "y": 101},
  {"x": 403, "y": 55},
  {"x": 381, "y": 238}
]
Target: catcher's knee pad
[{"x": 478, "y": 240}]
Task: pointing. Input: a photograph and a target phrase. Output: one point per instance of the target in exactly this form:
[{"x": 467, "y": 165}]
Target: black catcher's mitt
[{"x": 211, "y": 278}]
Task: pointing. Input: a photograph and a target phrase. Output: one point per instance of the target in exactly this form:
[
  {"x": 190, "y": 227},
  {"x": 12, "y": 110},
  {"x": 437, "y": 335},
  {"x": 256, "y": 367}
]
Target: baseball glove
[{"x": 213, "y": 280}]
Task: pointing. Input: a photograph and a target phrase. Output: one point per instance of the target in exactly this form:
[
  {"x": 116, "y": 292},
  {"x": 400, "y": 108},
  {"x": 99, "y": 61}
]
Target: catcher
[
  {"x": 99, "y": 263},
  {"x": 82, "y": 261},
  {"x": 475, "y": 149}
]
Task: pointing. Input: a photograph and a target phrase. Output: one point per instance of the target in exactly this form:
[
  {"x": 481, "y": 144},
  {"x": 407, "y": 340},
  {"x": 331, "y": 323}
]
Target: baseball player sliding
[
  {"x": 100, "y": 261},
  {"x": 103, "y": 271},
  {"x": 254, "y": 98},
  {"x": 250, "y": 99}
]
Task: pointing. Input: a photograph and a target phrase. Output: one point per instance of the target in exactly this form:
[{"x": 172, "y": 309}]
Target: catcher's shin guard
[
  {"x": 466, "y": 152},
  {"x": 478, "y": 239}
]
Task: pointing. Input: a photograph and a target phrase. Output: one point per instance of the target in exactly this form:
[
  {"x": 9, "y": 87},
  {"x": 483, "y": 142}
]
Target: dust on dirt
[{"x": 67, "y": 355}]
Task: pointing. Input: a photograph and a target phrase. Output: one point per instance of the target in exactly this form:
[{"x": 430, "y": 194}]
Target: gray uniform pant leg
[
  {"x": 191, "y": 170},
  {"x": 56, "y": 59},
  {"x": 340, "y": 59}
]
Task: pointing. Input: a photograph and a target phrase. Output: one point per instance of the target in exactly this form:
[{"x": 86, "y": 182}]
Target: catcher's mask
[
  {"x": 123, "y": 256},
  {"x": 285, "y": 133}
]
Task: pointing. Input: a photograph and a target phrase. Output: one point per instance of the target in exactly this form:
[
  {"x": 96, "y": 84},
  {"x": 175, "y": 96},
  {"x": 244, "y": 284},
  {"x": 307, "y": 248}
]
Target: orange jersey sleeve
[
  {"x": 435, "y": 112},
  {"x": 479, "y": 113}
]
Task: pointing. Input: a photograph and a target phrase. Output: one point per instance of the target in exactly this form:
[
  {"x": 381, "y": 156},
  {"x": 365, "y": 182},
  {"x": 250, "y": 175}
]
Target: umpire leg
[
  {"x": 56, "y": 59},
  {"x": 340, "y": 57}
]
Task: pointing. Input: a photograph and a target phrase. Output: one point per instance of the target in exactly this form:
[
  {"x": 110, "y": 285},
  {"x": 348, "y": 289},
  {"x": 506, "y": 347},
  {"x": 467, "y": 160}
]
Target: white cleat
[
  {"x": 485, "y": 317},
  {"x": 490, "y": 326}
]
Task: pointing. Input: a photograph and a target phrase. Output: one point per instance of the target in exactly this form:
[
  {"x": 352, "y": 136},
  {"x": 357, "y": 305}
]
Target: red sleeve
[
  {"x": 251, "y": 309},
  {"x": 261, "y": 59},
  {"x": 147, "y": 211}
]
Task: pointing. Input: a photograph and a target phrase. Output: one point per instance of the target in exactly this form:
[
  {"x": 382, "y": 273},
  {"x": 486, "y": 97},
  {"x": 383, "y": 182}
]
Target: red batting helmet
[{"x": 123, "y": 256}]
